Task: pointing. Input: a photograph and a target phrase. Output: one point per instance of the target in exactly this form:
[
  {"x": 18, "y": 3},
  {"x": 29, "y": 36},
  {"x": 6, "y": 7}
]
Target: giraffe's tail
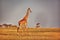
[
  {"x": 18, "y": 26},
  {"x": 19, "y": 23}
]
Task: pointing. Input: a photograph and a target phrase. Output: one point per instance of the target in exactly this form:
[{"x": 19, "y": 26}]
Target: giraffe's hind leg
[{"x": 17, "y": 29}]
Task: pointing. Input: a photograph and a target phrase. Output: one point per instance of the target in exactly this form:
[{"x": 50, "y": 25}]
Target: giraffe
[{"x": 23, "y": 22}]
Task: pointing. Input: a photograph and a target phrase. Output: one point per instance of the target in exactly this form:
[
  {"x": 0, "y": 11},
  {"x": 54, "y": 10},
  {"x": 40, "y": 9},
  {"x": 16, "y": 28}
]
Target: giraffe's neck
[{"x": 26, "y": 16}]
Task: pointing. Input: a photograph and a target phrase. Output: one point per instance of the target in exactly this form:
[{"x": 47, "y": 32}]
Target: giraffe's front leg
[
  {"x": 21, "y": 27},
  {"x": 25, "y": 26}
]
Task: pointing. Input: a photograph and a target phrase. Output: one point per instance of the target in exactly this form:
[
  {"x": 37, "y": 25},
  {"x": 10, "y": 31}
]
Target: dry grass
[{"x": 30, "y": 34}]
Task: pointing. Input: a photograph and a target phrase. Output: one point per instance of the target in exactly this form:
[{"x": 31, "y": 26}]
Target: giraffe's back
[{"x": 23, "y": 21}]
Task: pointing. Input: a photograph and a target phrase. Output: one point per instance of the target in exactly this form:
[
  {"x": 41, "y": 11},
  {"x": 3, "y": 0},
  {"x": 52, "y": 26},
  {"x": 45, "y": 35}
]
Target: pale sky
[{"x": 46, "y": 12}]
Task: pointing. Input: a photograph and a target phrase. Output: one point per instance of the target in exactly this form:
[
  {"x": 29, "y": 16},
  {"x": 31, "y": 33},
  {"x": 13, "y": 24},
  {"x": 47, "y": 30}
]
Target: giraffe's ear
[{"x": 30, "y": 9}]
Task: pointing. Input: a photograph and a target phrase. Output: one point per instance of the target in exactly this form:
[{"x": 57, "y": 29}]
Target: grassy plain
[{"x": 30, "y": 34}]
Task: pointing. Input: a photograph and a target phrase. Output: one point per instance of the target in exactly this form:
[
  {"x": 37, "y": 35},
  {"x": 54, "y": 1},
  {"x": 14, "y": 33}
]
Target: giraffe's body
[{"x": 23, "y": 22}]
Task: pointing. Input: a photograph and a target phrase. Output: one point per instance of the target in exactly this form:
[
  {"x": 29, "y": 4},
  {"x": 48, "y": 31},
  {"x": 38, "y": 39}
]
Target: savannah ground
[{"x": 30, "y": 34}]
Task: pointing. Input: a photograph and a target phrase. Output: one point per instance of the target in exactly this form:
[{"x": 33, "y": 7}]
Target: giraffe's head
[{"x": 29, "y": 10}]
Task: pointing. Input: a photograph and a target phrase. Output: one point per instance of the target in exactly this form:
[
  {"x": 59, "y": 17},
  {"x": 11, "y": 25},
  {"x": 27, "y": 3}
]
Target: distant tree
[
  {"x": 5, "y": 25},
  {"x": 37, "y": 25},
  {"x": 0, "y": 25},
  {"x": 8, "y": 25}
]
